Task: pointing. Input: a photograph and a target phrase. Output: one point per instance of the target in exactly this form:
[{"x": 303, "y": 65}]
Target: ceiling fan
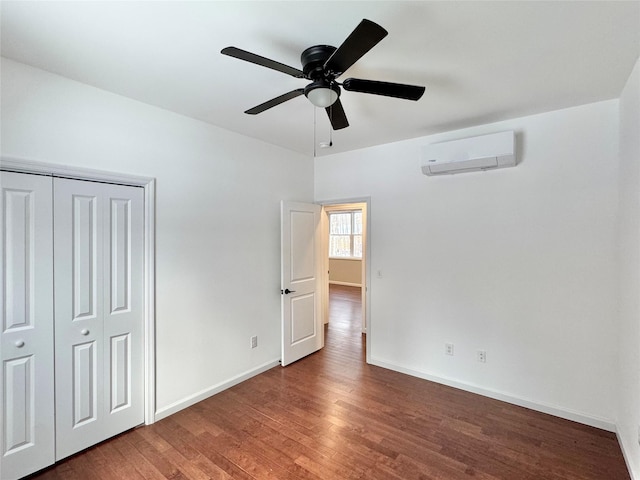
[{"x": 322, "y": 64}]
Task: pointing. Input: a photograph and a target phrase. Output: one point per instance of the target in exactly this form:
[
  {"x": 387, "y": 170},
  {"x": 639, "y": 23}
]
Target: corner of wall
[{"x": 627, "y": 408}]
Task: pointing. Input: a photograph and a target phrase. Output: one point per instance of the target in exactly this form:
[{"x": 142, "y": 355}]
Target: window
[{"x": 345, "y": 234}]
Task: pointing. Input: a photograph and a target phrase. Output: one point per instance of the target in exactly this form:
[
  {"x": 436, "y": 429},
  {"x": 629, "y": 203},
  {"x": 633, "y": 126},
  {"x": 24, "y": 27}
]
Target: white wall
[
  {"x": 519, "y": 262},
  {"x": 628, "y": 392},
  {"x": 345, "y": 271},
  {"x": 217, "y": 192}
]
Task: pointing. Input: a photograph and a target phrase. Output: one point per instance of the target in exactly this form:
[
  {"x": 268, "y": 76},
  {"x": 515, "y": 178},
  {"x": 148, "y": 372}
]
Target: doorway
[{"x": 346, "y": 265}]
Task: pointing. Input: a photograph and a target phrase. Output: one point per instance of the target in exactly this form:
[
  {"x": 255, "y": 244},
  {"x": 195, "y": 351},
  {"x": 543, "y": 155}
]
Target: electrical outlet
[
  {"x": 448, "y": 348},
  {"x": 254, "y": 341},
  {"x": 482, "y": 356}
]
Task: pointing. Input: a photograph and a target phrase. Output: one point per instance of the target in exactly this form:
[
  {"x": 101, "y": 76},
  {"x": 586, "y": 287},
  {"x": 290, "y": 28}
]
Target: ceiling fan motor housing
[{"x": 313, "y": 60}]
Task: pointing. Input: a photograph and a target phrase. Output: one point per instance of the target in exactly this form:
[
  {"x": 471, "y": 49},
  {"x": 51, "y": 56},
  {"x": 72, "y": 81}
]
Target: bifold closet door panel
[
  {"x": 124, "y": 308},
  {"x": 98, "y": 240},
  {"x": 79, "y": 367},
  {"x": 26, "y": 343}
]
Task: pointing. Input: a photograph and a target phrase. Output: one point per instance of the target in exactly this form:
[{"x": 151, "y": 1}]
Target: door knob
[
  {"x": 19, "y": 343},
  {"x": 287, "y": 291},
  {"x": 84, "y": 331}
]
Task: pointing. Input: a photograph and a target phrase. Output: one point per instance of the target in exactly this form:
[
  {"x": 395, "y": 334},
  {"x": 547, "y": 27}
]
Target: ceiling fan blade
[
  {"x": 398, "y": 90},
  {"x": 365, "y": 36},
  {"x": 337, "y": 117},
  {"x": 265, "y": 62},
  {"x": 275, "y": 101}
]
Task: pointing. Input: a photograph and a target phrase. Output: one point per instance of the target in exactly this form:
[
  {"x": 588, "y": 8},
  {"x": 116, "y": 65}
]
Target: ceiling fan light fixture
[{"x": 322, "y": 94}]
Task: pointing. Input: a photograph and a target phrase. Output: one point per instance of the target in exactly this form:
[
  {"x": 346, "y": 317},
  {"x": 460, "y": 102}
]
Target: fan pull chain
[
  {"x": 331, "y": 128},
  {"x": 314, "y": 132},
  {"x": 330, "y": 142}
]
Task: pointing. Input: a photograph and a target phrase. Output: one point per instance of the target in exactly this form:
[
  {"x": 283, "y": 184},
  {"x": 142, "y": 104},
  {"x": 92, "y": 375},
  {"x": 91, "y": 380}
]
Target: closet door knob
[
  {"x": 19, "y": 343},
  {"x": 84, "y": 331}
]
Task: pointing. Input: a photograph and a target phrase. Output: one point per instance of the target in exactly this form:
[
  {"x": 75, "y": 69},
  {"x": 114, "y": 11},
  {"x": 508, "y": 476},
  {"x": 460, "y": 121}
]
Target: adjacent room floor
[{"x": 332, "y": 416}]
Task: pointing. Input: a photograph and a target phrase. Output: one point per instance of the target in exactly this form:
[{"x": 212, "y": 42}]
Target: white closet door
[
  {"x": 98, "y": 258},
  {"x": 124, "y": 308},
  {"x": 26, "y": 343}
]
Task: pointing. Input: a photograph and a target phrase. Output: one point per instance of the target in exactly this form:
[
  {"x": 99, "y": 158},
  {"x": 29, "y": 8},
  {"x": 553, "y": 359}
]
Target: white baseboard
[
  {"x": 207, "y": 392},
  {"x": 346, "y": 284},
  {"x": 603, "y": 423},
  {"x": 626, "y": 455}
]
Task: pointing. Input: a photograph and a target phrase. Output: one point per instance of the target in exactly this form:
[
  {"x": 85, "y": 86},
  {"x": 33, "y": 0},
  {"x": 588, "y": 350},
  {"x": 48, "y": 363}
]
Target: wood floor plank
[
  {"x": 122, "y": 466},
  {"x": 132, "y": 456},
  {"x": 332, "y": 416},
  {"x": 158, "y": 458}
]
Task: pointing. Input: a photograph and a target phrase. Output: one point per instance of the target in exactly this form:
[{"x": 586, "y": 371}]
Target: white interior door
[
  {"x": 26, "y": 346},
  {"x": 302, "y": 328},
  {"x": 98, "y": 258}
]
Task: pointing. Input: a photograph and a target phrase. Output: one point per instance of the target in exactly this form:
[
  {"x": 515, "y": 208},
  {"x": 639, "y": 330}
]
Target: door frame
[
  {"x": 366, "y": 278},
  {"x": 18, "y": 165}
]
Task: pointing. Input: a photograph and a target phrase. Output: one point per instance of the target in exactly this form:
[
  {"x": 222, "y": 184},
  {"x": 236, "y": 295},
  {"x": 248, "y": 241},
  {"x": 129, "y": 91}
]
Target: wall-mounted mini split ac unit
[{"x": 485, "y": 152}]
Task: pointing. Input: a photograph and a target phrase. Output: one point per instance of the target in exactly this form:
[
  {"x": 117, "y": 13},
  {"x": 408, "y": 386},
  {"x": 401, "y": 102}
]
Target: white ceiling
[{"x": 481, "y": 61}]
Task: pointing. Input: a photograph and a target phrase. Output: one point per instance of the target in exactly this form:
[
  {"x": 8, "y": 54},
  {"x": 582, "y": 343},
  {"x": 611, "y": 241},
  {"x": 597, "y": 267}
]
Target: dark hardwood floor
[{"x": 332, "y": 416}]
